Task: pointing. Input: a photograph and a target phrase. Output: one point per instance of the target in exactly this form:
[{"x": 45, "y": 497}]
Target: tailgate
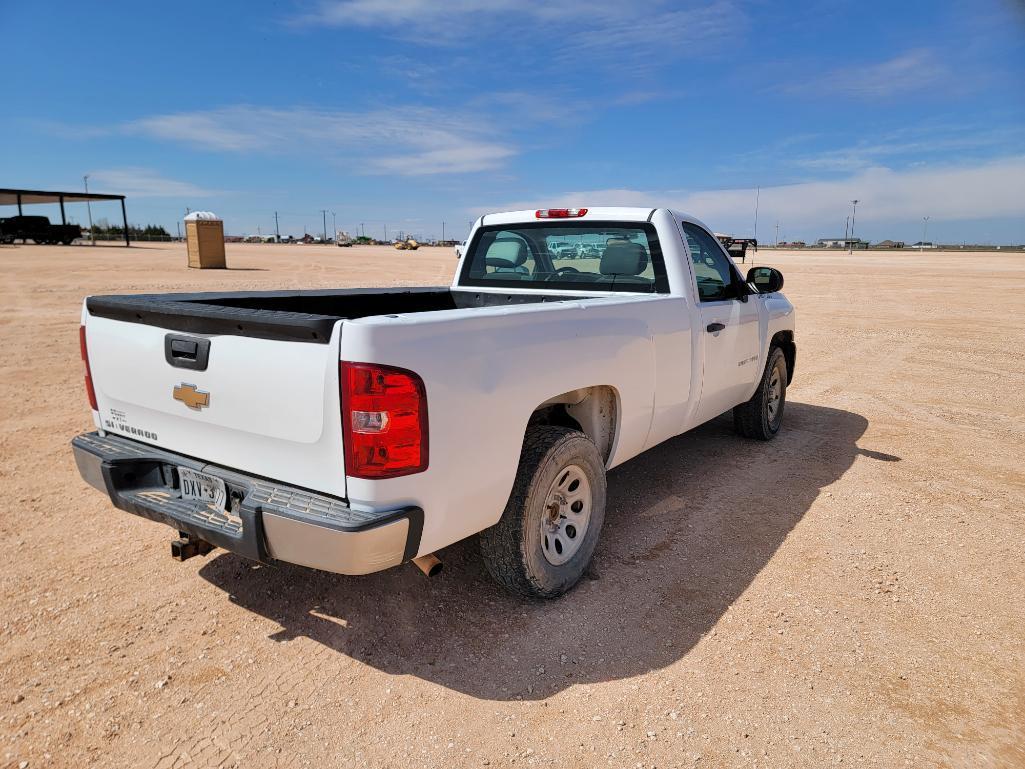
[{"x": 268, "y": 407}]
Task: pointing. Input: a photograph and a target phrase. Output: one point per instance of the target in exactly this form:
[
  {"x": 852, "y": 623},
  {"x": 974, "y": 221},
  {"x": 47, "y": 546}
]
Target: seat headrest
[
  {"x": 623, "y": 257},
  {"x": 510, "y": 249}
]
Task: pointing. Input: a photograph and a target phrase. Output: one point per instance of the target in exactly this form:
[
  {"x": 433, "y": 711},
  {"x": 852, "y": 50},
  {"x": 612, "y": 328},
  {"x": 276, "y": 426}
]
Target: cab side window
[{"x": 712, "y": 267}]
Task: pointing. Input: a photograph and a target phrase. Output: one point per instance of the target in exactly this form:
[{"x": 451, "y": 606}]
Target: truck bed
[{"x": 301, "y": 316}]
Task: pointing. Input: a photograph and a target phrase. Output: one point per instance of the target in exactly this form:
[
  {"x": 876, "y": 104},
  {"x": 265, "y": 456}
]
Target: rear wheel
[
  {"x": 551, "y": 524},
  {"x": 762, "y": 416}
]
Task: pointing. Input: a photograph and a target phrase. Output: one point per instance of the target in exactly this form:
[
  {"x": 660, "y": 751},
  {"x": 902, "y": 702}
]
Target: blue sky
[{"x": 407, "y": 113}]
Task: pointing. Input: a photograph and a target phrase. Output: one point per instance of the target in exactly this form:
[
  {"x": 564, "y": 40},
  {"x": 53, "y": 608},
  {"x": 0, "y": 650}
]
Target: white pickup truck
[{"x": 353, "y": 430}]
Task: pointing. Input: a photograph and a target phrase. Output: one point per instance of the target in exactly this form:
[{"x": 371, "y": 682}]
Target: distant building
[
  {"x": 841, "y": 243},
  {"x": 889, "y": 244},
  {"x": 923, "y": 244},
  {"x": 791, "y": 244}
]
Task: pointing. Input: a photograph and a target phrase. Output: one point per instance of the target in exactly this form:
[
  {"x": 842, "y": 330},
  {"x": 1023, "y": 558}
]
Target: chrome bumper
[{"x": 265, "y": 520}]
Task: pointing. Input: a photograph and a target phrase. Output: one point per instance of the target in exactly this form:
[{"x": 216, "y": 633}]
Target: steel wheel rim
[
  {"x": 566, "y": 515},
  {"x": 775, "y": 394}
]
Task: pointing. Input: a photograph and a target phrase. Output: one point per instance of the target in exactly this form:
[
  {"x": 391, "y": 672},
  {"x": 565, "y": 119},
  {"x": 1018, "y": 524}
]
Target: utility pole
[
  {"x": 758, "y": 195},
  {"x": 853, "y": 214},
  {"x": 89, "y": 208},
  {"x": 179, "y": 230},
  {"x": 443, "y": 230},
  {"x": 925, "y": 230},
  {"x": 777, "y": 233},
  {"x": 334, "y": 226},
  {"x": 362, "y": 230},
  {"x": 277, "y": 232},
  {"x": 324, "y": 212},
  {"x": 386, "y": 232},
  {"x": 847, "y": 230}
]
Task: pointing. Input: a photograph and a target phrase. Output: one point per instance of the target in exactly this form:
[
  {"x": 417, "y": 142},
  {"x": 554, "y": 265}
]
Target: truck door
[{"x": 729, "y": 325}]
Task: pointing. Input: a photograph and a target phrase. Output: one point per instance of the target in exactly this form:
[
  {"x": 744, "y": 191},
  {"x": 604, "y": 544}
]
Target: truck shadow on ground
[{"x": 689, "y": 525}]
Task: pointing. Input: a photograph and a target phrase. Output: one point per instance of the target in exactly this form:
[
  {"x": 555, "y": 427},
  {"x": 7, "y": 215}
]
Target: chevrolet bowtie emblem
[{"x": 191, "y": 397}]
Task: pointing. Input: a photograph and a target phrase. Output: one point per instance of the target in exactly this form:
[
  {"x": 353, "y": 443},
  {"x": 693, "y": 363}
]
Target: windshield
[{"x": 582, "y": 256}]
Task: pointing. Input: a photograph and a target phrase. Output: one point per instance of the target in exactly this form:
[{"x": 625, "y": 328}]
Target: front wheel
[
  {"x": 762, "y": 416},
  {"x": 550, "y": 527}
]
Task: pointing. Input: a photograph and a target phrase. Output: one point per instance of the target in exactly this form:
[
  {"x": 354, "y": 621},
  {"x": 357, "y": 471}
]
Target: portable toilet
[{"x": 204, "y": 239}]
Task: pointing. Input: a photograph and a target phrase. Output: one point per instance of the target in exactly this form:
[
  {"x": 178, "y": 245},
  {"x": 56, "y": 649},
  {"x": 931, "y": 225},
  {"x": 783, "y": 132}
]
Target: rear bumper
[{"x": 265, "y": 521}]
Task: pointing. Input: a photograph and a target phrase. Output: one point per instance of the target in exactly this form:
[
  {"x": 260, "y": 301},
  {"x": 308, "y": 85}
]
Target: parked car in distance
[
  {"x": 353, "y": 430},
  {"x": 37, "y": 229}
]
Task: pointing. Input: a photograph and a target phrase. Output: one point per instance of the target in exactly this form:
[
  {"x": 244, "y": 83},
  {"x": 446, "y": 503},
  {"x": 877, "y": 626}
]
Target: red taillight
[
  {"x": 88, "y": 374},
  {"x": 559, "y": 213},
  {"x": 384, "y": 421}
]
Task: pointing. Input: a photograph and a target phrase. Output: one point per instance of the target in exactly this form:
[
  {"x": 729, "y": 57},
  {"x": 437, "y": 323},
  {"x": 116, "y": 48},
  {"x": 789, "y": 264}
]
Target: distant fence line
[
  {"x": 762, "y": 247},
  {"x": 916, "y": 249},
  {"x": 120, "y": 238}
]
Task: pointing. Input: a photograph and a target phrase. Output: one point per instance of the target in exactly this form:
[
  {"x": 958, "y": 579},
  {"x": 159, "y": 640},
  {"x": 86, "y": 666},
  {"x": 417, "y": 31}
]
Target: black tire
[
  {"x": 755, "y": 419},
  {"x": 513, "y": 549}
]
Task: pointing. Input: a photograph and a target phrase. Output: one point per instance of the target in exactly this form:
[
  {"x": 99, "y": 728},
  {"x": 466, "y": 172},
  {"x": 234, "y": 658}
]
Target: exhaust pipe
[{"x": 428, "y": 564}]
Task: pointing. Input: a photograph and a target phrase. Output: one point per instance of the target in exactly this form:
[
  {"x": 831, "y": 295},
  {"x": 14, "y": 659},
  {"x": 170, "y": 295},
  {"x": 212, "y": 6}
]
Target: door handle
[
  {"x": 191, "y": 352},
  {"x": 184, "y": 348},
  {"x": 711, "y": 328}
]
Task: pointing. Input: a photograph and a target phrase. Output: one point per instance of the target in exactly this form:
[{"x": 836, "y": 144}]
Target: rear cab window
[{"x": 567, "y": 256}]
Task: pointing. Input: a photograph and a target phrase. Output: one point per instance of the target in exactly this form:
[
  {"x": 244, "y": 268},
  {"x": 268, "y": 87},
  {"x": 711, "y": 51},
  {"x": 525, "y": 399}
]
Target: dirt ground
[{"x": 851, "y": 594}]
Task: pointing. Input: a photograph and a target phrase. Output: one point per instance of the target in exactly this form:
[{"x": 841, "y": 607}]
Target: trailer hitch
[{"x": 187, "y": 546}]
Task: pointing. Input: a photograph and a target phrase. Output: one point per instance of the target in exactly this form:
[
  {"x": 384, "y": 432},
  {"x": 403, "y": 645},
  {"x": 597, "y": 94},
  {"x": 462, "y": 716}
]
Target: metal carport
[{"x": 28, "y": 197}]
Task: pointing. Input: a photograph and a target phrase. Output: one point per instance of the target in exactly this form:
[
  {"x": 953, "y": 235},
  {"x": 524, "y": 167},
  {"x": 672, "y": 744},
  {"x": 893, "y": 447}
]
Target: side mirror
[{"x": 766, "y": 279}]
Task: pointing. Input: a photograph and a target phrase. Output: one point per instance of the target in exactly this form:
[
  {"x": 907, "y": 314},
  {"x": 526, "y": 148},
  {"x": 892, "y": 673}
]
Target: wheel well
[
  {"x": 591, "y": 410},
  {"x": 784, "y": 340}
]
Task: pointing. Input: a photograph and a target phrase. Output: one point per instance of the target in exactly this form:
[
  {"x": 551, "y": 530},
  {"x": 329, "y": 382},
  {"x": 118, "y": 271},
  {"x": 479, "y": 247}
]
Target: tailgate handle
[{"x": 191, "y": 352}]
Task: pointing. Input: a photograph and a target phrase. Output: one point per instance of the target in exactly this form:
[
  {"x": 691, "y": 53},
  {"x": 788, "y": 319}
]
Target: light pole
[
  {"x": 89, "y": 208},
  {"x": 324, "y": 212},
  {"x": 334, "y": 225},
  {"x": 758, "y": 196},
  {"x": 925, "y": 230},
  {"x": 853, "y": 214}
]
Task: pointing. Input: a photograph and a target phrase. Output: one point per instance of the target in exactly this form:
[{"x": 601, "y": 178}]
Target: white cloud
[
  {"x": 695, "y": 29},
  {"x": 428, "y": 14},
  {"x": 912, "y": 72},
  {"x": 401, "y": 140},
  {"x": 594, "y": 30},
  {"x": 473, "y": 157},
  {"x": 144, "y": 183},
  {"x": 988, "y": 190},
  {"x": 914, "y": 145}
]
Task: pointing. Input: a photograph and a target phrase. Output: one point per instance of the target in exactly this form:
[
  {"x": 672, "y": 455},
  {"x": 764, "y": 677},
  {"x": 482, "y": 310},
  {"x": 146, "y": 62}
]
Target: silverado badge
[{"x": 191, "y": 397}]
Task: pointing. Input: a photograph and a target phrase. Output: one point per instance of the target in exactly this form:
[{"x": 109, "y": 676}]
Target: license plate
[{"x": 201, "y": 487}]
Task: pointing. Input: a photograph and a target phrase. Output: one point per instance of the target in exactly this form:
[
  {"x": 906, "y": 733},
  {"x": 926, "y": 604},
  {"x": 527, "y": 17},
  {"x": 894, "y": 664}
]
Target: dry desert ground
[{"x": 851, "y": 594}]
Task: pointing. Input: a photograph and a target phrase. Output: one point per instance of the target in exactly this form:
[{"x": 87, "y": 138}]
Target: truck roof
[
  {"x": 611, "y": 213},
  {"x": 594, "y": 213}
]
